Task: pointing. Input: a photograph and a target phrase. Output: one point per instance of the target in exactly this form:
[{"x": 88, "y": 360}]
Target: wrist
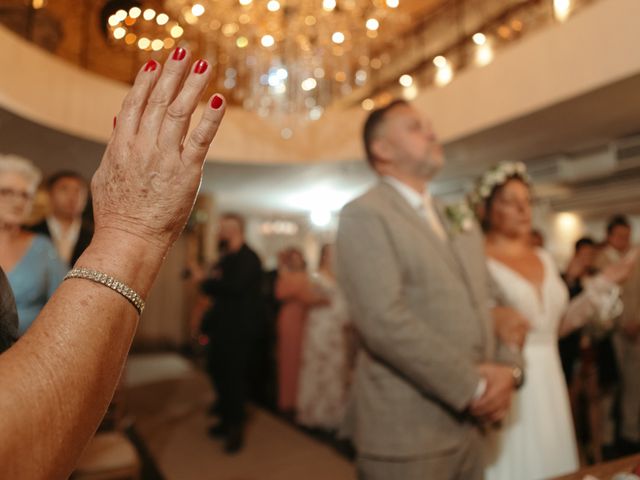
[
  {"x": 124, "y": 256},
  {"x": 517, "y": 375}
]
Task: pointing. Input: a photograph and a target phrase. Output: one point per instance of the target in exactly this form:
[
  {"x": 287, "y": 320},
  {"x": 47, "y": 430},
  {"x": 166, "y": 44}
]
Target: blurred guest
[
  {"x": 537, "y": 239},
  {"x": 627, "y": 335},
  {"x": 264, "y": 376},
  {"x": 68, "y": 193},
  {"x": 295, "y": 291},
  {"x": 627, "y": 341},
  {"x": 580, "y": 266},
  {"x": 618, "y": 242},
  {"x": 232, "y": 325},
  {"x": 33, "y": 267},
  {"x": 591, "y": 349},
  {"x": 323, "y": 382}
]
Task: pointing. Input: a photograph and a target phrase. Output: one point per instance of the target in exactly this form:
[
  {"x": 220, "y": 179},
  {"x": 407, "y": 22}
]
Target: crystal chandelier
[{"x": 288, "y": 58}]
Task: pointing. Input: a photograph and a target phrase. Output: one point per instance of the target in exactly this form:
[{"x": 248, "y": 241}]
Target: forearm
[
  {"x": 596, "y": 302},
  {"x": 63, "y": 372}
]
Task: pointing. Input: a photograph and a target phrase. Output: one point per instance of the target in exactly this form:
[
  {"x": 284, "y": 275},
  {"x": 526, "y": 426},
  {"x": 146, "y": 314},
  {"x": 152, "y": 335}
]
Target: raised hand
[{"x": 148, "y": 179}]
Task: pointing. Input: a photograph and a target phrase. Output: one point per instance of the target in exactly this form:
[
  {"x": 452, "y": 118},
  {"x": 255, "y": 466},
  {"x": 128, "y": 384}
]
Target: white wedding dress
[{"x": 537, "y": 438}]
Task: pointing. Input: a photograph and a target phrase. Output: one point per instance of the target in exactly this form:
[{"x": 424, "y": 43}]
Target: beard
[
  {"x": 428, "y": 166},
  {"x": 223, "y": 246}
]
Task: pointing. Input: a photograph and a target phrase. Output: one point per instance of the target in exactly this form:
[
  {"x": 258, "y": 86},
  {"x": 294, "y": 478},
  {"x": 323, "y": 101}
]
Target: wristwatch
[{"x": 518, "y": 376}]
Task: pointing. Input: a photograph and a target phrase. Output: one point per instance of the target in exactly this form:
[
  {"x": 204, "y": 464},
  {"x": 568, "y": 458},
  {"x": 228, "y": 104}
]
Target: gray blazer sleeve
[{"x": 372, "y": 281}]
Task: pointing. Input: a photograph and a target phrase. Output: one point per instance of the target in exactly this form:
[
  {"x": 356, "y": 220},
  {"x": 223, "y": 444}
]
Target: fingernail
[
  {"x": 115, "y": 119},
  {"x": 150, "y": 66},
  {"x": 201, "y": 66},
  {"x": 216, "y": 102},
  {"x": 179, "y": 53}
]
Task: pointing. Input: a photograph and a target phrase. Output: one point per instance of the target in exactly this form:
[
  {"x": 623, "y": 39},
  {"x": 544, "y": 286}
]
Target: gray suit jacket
[{"x": 421, "y": 308}]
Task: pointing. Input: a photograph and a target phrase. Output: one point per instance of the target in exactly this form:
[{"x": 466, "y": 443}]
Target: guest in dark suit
[
  {"x": 233, "y": 324},
  {"x": 71, "y": 235}
]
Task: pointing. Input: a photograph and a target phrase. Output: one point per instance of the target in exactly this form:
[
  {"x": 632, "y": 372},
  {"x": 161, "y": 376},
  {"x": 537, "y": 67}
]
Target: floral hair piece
[{"x": 497, "y": 176}]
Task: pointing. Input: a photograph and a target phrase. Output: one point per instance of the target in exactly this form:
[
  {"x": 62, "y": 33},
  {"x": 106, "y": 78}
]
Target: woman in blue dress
[{"x": 30, "y": 260}]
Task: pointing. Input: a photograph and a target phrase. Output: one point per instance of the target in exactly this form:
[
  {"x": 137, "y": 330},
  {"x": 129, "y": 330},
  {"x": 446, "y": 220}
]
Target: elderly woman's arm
[{"x": 56, "y": 381}]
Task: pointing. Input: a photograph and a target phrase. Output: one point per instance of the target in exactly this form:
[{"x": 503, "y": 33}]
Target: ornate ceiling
[
  {"x": 307, "y": 68},
  {"x": 76, "y": 30}
]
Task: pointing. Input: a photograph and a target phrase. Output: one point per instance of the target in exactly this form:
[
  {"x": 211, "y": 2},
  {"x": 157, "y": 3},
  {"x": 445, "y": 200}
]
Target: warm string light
[
  {"x": 146, "y": 29},
  {"x": 479, "y": 48},
  {"x": 562, "y": 9},
  {"x": 289, "y": 57},
  {"x": 311, "y": 81},
  {"x": 444, "y": 69}
]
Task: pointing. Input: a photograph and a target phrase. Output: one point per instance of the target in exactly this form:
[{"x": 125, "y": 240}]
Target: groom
[{"x": 428, "y": 373}]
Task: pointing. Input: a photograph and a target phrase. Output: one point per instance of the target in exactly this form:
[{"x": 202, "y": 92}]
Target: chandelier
[{"x": 288, "y": 58}]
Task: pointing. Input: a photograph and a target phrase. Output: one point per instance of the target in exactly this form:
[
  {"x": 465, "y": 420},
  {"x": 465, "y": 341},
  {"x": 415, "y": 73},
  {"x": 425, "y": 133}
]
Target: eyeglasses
[{"x": 10, "y": 193}]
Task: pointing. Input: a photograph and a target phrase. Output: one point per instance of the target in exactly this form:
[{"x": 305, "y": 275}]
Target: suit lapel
[
  {"x": 400, "y": 205},
  {"x": 461, "y": 248},
  {"x": 458, "y": 247}
]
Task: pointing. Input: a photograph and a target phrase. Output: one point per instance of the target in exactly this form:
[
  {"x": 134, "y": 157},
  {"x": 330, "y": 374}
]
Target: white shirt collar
[
  {"x": 413, "y": 198},
  {"x": 64, "y": 241}
]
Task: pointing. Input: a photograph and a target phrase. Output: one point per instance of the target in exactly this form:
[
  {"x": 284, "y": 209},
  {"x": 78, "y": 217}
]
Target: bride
[{"x": 537, "y": 437}]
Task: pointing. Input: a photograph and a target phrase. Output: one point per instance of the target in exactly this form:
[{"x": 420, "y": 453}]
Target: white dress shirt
[
  {"x": 421, "y": 203},
  {"x": 64, "y": 240}
]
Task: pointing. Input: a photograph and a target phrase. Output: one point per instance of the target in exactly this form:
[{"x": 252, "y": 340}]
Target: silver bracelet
[{"x": 108, "y": 281}]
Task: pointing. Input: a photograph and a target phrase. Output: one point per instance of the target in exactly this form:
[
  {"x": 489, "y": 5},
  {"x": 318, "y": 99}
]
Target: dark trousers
[{"x": 228, "y": 365}]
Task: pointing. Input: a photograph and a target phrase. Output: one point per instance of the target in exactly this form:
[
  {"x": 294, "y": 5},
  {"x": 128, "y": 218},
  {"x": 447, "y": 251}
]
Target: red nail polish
[
  {"x": 216, "y": 102},
  {"x": 115, "y": 119},
  {"x": 179, "y": 54},
  {"x": 150, "y": 66},
  {"x": 201, "y": 66}
]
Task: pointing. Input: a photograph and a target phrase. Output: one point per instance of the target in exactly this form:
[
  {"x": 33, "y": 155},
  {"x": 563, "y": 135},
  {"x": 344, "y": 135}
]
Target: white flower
[{"x": 460, "y": 216}]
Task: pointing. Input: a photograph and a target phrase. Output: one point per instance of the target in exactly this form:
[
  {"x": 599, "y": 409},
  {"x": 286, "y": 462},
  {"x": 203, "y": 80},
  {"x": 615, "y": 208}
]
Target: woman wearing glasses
[{"x": 29, "y": 260}]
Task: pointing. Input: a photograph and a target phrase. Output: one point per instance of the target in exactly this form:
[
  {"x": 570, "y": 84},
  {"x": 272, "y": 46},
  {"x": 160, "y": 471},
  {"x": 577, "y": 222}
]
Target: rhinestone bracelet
[{"x": 110, "y": 282}]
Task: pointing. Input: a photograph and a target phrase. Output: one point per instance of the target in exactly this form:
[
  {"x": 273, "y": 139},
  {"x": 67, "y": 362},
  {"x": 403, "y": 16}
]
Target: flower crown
[{"x": 497, "y": 176}]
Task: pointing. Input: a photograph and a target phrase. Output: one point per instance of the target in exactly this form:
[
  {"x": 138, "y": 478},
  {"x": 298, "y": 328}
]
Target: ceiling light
[
  {"x": 406, "y": 80},
  {"x": 337, "y": 37},
  {"x": 197, "y": 10},
  {"x": 149, "y": 14},
  {"x": 267, "y": 41},
  {"x": 372, "y": 24},
  {"x": 479, "y": 39}
]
